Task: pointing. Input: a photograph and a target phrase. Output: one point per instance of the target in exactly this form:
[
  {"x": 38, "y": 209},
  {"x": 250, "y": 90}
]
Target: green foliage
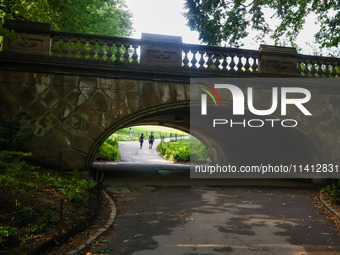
[
  {"x": 180, "y": 151},
  {"x": 220, "y": 21},
  {"x": 102, "y": 17},
  {"x": 158, "y": 131},
  {"x": 9, "y": 238},
  {"x": 17, "y": 176},
  {"x": 333, "y": 192},
  {"x": 12, "y": 134},
  {"x": 109, "y": 150},
  {"x": 199, "y": 153},
  {"x": 42, "y": 223}
]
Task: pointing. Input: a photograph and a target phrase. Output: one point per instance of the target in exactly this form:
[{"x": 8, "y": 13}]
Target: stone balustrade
[{"x": 168, "y": 52}]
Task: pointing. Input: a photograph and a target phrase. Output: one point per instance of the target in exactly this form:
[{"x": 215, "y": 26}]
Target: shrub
[
  {"x": 109, "y": 150},
  {"x": 333, "y": 192},
  {"x": 180, "y": 150}
]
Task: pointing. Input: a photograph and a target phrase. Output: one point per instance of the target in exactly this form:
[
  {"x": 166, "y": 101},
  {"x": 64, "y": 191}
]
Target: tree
[
  {"x": 219, "y": 21},
  {"x": 104, "y": 17}
]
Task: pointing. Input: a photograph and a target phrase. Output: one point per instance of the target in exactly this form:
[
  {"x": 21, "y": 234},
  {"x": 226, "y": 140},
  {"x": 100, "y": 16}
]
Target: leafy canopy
[
  {"x": 227, "y": 21},
  {"x": 104, "y": 17}
]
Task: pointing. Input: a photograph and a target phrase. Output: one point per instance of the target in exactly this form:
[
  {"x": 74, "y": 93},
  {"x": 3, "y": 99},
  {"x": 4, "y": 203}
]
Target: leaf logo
[{"x": 209, "y": 93}]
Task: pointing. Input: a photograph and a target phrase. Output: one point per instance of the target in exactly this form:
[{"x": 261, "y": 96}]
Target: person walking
[
  {"x": 131, "y": 133},
  {"x": 151, "y": 139},
  {"x": 141, "y": 140}
]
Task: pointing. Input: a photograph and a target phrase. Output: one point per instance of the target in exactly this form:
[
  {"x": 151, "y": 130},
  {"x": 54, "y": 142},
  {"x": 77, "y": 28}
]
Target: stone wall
[{"x": 68, "y": 114}]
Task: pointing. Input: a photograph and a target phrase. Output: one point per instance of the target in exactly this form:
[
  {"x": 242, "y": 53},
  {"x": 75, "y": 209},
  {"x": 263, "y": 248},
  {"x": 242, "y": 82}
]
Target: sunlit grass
[{"x": 158, "y": 131}]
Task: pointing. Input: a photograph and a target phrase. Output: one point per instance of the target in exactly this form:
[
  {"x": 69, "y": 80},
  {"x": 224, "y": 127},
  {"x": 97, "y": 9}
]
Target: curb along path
[{"x": 101, "y": 230}]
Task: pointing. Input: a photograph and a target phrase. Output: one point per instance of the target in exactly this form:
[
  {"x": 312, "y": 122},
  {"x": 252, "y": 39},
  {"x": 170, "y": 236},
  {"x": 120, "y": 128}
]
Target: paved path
[
  {"x": 130, "y": 152},
  {"x": 163, "y": 211}
]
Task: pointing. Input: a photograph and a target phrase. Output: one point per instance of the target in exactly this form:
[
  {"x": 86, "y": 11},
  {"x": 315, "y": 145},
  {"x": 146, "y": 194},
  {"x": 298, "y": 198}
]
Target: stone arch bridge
[{"x": 69, "y": 92}]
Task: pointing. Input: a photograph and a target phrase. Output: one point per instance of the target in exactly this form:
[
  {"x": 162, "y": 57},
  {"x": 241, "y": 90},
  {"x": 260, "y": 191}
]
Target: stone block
[
  {"x": 43, "y": 83},
  {"x": 100, "y": 102},
  {"x": 44, "y": 124},
  {"x": 34, "y": 38},
  {"x": 107, "y": 119},
  {"x": 50, "y": 97},
  {"x": 36, "y": 109},
  {"x": 75, "y": 122},
  {"x": 87, "y": 112},
  {"x": 94, "y": 131},
  {"x": 81, "y": 142},
  {"x": 26, "y": 97},
  {"x": 9, "y": 104},
  {"x": 278, "y": 60},
  {"x": 161, "y": 50},
  {"x": 72, "y": 159}
]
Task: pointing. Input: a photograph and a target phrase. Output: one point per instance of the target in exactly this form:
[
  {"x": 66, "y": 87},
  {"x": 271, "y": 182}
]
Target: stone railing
[
  {"x": 167, "y": 52},
  {"x": 129, "y": 51},
  {"x": 100, "y": 48},
  {"x": 314, "y": 66}
]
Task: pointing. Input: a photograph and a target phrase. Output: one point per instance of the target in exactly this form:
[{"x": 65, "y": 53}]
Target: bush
[
  {"x": 333, "y": 192},
  {"x": 180, "y": 150},
  {"x": 109, "y": 150}
]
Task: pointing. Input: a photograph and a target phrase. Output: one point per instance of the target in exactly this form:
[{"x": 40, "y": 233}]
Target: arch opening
[{"x": 249, "y": 146}]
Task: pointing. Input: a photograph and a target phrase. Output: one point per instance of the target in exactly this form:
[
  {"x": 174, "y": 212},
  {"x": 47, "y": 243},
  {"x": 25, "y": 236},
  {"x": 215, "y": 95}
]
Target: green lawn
[{"x": 158, "y": 131}]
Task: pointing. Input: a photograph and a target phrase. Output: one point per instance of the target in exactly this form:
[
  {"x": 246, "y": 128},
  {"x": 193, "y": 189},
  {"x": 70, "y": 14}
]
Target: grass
[
  {"x": 158, "y": 131},
  {"x": 184, "y": 150}
]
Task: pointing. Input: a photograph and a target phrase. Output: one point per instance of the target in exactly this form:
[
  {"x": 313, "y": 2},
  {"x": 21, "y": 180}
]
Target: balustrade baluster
[
  {"x": 217, "y": 61},
  {"x": 82, "y": 49},
  {"x": 333, "y": 72},
  {"x": 232, "y": 62},
  {"x": 100, "y": 51},
  {"x": 255, "y": 65},
  {"x": 65, "y": 52},
  {"x": 91, "y": 51},
  {"x": 74, "y": 49},
  {"x": 247, "y": 65},
  {"x": 135, "y": 55},
  {"x": 209, "y": 62},
  {"x": 327, "y": 71},
  {"x": 109, "y": 53},
  {"x": 240, "y": 64},
  {"x": 313, "y": 70},
  {"x": 306, "y": 70},
  {"x": 185, "y": 60},
  {"x": 202, "y": 61},
  {"x": 118, "y": 54},
  {"x": 193, "y": 60},
  {"x": 299, "y": 67},
  {"x": 126, "y": 54},
  {"x": 225, "y": 61},
  {"x": 320, "y": 71},
  {"x": 55, "y": 48}
]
